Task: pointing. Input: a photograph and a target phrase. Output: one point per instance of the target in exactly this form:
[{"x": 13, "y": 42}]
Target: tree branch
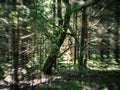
[
  {"x": 92, "y": 3},
  {"x": 77, "y": 6}
]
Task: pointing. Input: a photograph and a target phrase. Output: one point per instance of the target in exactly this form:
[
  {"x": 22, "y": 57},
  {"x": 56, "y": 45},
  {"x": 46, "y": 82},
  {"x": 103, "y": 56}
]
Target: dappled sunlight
[
  {"x": 98, "y": 65},
  {"x": 59, "y": 44}
]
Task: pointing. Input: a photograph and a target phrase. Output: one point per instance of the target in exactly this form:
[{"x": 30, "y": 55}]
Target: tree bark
[
  {"x": 15, "y": 45},
  {"x": 59, "y": 13},
  {"x": 76, "y": 47},
  {"x": 117, "y": 18},
  {"x": 84, "y": 39}
]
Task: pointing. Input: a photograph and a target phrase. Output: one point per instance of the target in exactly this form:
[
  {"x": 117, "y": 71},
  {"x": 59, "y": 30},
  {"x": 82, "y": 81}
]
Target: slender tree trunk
[
  {"x": 54, "y": 53},
  {"x": 59, "y": 13},
  {"x": 60, "y": 21},
  {"x": 117, "y": 18},
  {"x": 54, "y": 24},
  {"x": 84, "y": 40},
  {"x": 54, "y": 11},
  {"x": 76, "y": 50},
  {"x": 15, "y": 45}
]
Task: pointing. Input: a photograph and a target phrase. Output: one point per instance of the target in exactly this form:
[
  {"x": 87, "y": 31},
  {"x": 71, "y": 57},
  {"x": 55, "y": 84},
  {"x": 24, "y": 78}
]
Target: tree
[
  {"x": 15, "y": 44},
  {"x": 117, "y": 18},
  {"x": 84, "y": 39},
  {"x": 75, "y": 27},
  {"x": 54, "y": 52}
]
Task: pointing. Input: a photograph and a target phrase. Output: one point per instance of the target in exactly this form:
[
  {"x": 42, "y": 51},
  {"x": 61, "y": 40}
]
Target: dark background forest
[{"x": 59, "y": 44}]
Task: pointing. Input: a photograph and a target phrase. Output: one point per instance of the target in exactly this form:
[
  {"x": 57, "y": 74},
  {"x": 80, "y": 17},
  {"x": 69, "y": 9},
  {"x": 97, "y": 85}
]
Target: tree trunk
[
  {"x": 54, "y": 53},
  {"x": 59, "y": 12},
  {"x": 116, "y": 49},
  {"x": 75, "y": 27},
  {"x": 84, "y": 40},
  {"x": 15, "y": 45}
]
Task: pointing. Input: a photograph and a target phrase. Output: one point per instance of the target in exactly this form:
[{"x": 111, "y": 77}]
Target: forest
[{"x": 59, "y": 44}]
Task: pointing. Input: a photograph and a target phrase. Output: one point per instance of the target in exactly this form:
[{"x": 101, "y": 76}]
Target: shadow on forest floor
[
  {"x": 99, "y": 76},
  {"x": 92, "y": 80}
]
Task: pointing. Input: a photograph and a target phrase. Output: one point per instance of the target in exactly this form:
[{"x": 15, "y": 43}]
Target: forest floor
[{"x": 98, "y": 76}]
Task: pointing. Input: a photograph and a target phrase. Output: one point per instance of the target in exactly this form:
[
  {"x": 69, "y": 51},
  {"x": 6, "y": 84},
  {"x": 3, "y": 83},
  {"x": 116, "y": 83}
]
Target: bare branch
[{"x": 26, "y": 36}]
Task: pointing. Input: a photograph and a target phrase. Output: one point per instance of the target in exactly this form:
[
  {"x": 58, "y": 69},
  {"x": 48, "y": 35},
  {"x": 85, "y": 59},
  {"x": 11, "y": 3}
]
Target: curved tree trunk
[{"x": 54, "y": 53}]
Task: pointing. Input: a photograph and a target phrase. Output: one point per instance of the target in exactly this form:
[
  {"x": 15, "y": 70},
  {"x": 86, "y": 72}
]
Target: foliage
[{"x": 38, "y": 34}]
